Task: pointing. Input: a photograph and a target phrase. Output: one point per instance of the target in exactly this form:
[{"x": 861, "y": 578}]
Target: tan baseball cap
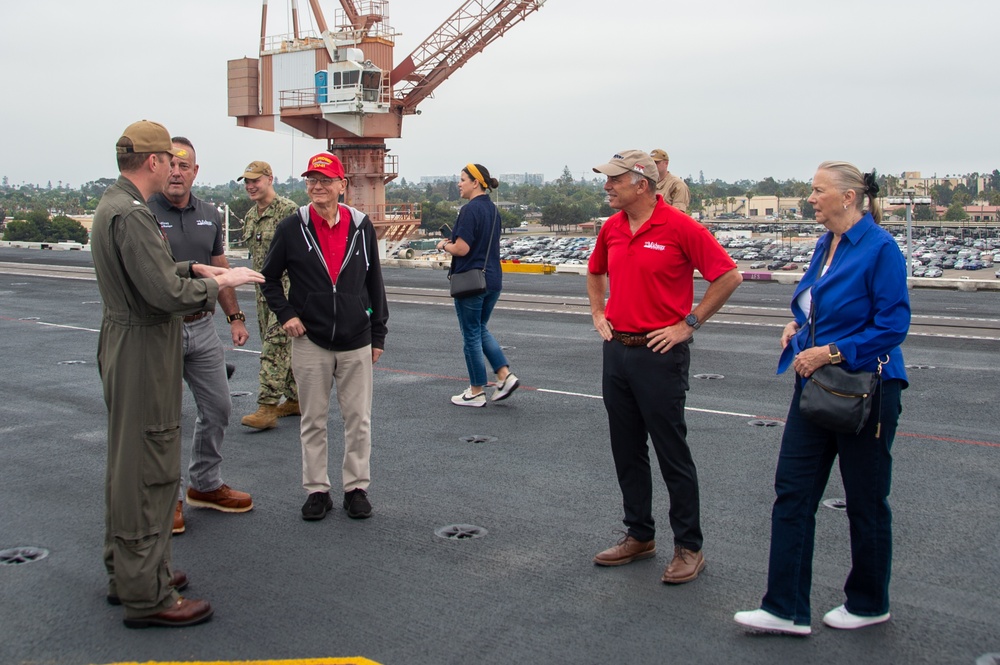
[
  {"x": 255, "y": 170},
  {"x": 635, "y": 161},
  {"x": 659, "y": 155},
  {"x": 146, "y": 136}
]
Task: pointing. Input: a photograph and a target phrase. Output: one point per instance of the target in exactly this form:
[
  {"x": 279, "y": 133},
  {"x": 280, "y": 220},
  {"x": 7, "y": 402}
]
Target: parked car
[
  {"x": 790, "y": 266},
  {"x": 775, "y": 265},
  {"x": 937, "y": 272},
  {"x": 756, "y": 265}
]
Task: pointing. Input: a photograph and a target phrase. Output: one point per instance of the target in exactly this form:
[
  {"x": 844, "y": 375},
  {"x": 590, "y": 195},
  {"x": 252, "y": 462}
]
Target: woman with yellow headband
[{"x": 475, "y": 243}]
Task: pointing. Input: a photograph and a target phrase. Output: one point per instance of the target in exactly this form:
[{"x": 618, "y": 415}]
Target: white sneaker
[
  {"x": 505, "y": 388},
  {"x": 764, "y": 622},
  {"x": 468, "y": 399},
  {"x": 839, "y": 617}
]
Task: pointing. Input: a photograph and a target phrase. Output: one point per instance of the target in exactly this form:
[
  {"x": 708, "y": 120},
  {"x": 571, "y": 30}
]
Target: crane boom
[{"x": 467, "y": 32}]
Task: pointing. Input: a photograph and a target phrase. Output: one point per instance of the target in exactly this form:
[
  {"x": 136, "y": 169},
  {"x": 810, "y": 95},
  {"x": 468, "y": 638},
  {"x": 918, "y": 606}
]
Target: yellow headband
[{"x": 474, "y": 172}]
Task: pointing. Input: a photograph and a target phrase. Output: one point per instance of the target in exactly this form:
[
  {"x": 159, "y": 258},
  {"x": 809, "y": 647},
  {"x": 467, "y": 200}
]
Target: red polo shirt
[
  {"x": 651, "y": 273},
  {"x": 332, "y": 240}
]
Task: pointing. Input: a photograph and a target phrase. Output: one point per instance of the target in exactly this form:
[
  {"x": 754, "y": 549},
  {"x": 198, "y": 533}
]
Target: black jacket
[{"x": 340, "y": 317}]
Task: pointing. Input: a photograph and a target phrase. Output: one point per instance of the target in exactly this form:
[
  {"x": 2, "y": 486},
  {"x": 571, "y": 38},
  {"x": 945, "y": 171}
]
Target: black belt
[
  {"x": 190, "y": 318},
  {"x": 630, "y": 339}
]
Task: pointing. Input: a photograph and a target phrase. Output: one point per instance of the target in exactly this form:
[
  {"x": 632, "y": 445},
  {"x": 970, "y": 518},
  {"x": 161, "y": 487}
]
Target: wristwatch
[
  {"x": 238, "y": 316},
  {"x": 692, "y": 321},
  {"x": 835, "y": 357}
]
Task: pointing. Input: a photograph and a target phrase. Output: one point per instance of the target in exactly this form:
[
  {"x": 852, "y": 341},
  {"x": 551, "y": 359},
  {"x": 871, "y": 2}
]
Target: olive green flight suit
[{"x": 144, "y": 292}]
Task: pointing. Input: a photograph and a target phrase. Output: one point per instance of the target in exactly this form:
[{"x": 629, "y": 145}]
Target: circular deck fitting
[
  {"x": 460, "y": 532},
  {"x": 836, "y": 504},
  {"x": 764, "y": 423},
  {"x": 709, "y": 376},
  {"x": 16, "y": 555},
  {"x": 478, "y": 438}
]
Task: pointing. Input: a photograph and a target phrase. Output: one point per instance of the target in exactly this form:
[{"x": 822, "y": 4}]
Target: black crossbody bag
[{"x": 840, "y": 399}]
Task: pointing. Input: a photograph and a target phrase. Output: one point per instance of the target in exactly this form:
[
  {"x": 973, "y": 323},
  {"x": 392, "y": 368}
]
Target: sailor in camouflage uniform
[{"x": 276, "y": 380}]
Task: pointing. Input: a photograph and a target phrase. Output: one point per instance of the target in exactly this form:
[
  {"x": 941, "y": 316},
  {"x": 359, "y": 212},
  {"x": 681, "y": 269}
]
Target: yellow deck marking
[{"x": 357, "y": 660}]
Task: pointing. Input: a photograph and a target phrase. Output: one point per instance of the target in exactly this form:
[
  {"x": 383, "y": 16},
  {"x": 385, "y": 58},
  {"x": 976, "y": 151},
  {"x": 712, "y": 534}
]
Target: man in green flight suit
[
  {"x": 144, "y": 293},
  {"x": 276, "y": 378}
]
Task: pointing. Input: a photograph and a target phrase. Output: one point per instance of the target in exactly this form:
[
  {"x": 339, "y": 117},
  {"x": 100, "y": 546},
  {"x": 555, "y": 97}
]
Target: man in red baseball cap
[
  {"x": 336, "y": 313},
  {"x": 325, "y": 164}
]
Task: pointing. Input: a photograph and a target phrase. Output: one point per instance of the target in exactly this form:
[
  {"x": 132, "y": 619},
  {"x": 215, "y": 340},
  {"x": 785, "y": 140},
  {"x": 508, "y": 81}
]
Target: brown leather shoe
[
  {"x": 685, "y": 566},
  {"x": 288, "y": 408},
  {"x": 225, "y": 499},
  {"x": 178, "y": 519},
  {"x": 179, "y": 580},
  {"x": 185, "y": 612},
  {"x": 627, "y": 550}
]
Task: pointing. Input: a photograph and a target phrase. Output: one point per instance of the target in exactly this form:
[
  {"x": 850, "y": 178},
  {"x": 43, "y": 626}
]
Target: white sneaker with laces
[
  {"x": 505, "y": 388},
  {"x": 468, "y": 399},
  {"x": 839, "y": 617},
  {"x": 763, "y": 621}
]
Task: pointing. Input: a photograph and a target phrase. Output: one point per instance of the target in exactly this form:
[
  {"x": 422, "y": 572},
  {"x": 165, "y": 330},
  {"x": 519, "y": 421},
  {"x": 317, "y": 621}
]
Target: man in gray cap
[
  {"x": 276, "y": 380},
  {"x": 674, "y": 190},
  {"x": 648, "y": 251},
  {"x": 144, "y": 293}
]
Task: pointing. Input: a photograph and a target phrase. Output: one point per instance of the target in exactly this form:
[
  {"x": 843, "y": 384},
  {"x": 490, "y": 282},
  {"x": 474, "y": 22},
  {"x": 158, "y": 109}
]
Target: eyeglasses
[{"x": 320, "y": 182}]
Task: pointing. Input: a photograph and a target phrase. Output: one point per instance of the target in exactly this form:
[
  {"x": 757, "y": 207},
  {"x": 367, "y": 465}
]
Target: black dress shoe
[
  {"x": 179, "y": 580},
  {"x": 185, "y": 612}
]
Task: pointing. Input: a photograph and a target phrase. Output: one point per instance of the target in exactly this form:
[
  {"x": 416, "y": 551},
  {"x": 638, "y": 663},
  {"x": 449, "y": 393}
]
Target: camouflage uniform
[{"x": 275, "y": 354}]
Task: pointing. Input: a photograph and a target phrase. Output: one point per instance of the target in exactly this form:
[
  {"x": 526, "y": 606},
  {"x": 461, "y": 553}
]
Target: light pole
[
  {"x": 909, "y": 200},
  {"x": 224, "y": 208}
]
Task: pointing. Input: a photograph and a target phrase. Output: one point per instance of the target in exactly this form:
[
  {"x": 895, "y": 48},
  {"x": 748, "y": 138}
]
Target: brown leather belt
[
  {"x": 194, "y": 317},
  {"x": 630, "y": 339}
]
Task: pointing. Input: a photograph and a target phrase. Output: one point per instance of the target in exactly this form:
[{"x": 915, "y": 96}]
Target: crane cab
[{"x": 352, "y": 85}]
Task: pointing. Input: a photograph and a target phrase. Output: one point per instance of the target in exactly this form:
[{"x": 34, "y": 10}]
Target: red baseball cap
[{"x": 326, "y": 164}]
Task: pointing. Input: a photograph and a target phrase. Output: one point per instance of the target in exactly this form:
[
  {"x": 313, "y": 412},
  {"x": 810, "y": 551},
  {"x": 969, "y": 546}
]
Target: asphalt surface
[{"x": 391, "y": 590}]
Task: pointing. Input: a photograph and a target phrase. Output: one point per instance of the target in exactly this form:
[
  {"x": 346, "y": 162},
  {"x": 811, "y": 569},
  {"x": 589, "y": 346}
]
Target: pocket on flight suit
[
  {"x": 161, "y": 471},
  {"x": 162, "y": 455}
]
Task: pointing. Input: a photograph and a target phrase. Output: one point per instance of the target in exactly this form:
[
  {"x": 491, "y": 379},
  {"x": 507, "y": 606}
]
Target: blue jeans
[
  {"x": 804, "y": 464},
  {"x": 473, "y": 315}
]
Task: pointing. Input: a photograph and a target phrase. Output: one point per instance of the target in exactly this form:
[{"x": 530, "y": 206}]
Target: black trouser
[{"x": 644, "y": 394}]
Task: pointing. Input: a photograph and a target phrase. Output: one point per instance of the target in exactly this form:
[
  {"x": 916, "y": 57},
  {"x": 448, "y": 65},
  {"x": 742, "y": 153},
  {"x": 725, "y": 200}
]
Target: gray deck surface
[{"x": 390, "y": 590}]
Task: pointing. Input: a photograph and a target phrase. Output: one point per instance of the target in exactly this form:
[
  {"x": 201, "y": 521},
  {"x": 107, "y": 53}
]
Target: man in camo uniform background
[{"x": 276, "y": 378}]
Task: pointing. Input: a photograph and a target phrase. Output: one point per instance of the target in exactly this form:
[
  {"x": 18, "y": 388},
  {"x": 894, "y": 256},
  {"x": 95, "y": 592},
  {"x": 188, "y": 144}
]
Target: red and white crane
[{"x": 341, "y": 85}]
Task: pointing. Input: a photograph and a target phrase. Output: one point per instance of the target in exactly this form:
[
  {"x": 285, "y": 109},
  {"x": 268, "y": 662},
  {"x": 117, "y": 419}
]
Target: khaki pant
[{"x": 316, "y": 370}]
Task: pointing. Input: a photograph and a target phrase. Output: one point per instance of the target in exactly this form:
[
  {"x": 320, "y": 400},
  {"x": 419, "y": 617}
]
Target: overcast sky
[{"x": 730, "y": 88}]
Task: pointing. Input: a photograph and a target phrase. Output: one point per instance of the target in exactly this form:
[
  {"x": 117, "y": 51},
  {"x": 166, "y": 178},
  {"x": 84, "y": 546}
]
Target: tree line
[{"x": 40, "y": 214}]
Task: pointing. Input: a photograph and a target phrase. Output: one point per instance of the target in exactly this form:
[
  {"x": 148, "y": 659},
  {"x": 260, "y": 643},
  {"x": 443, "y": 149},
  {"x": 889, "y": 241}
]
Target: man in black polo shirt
[{"x": 195, "y": 233}]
